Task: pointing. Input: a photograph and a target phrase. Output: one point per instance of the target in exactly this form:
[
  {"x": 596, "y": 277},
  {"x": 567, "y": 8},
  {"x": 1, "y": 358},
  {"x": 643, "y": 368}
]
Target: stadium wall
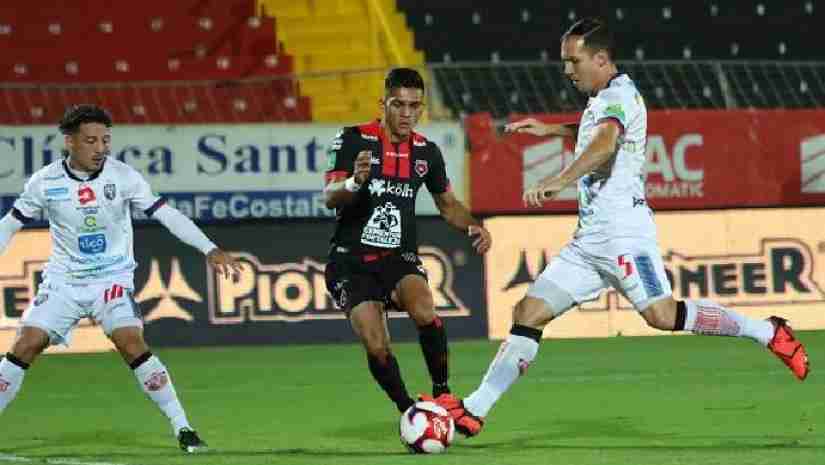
[
  {"x": 280, "y": 299},
  {"x": 221, "y": 172}
]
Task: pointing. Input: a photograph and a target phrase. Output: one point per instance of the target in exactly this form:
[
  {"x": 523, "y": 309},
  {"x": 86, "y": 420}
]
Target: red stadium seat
[{"x": 197, "y": 46}]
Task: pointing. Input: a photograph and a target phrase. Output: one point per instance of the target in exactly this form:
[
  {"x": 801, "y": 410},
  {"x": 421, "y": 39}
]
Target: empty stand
[{"x": 156, "y": 61}]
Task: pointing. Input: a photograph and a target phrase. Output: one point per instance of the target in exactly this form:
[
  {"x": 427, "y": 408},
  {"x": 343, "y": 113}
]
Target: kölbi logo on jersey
[{"x": 379, "y": 187}]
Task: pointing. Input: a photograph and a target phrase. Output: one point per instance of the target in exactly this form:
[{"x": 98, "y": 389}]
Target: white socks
[
  {"x": 512, "y": 360},
  {"x": 155, "y": 381},
  {"x": 11, "y": 378},
  {"x": 710, "y": 318}
]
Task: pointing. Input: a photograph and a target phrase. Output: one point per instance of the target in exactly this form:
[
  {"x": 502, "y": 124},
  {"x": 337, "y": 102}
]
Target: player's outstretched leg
[
  {"x": 513, "y": 359},
  {"x": 31, "y": 342},
  {"x": 368, "y": 321},
  {"x": 710, "y": 318},
  {"x": 154, "y": 379}
]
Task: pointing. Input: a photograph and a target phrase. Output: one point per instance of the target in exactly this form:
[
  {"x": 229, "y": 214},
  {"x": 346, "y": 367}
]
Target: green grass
[{"x": 655, "y": 400}]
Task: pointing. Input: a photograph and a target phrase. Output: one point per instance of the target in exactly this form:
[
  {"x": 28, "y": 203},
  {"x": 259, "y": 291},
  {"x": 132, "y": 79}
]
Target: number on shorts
[{"x": 626, "y": 264}]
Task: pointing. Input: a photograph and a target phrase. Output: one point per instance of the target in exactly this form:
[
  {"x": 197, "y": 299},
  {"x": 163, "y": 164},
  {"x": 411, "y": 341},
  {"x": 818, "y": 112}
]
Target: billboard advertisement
[
  {"x": 760, "y": 262},
  {"x": 695, "y": 159},
  {"x": 220, "y": 172},
  {"x": 281, "y": 297}
]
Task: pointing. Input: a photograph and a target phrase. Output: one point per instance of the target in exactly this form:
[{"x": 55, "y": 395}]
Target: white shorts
[
  {"x": 580, "y": 272},
  {"x": 59, "y": 306}
]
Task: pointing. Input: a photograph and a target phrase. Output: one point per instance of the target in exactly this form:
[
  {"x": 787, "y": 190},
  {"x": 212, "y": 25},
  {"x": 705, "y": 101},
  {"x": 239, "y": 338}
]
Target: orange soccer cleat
[
  {"x": 785, "y": 346},
  {"x": 465, "y": 422}
]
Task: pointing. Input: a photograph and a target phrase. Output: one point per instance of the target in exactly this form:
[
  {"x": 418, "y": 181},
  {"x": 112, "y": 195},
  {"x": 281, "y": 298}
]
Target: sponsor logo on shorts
[{"x": 4, "y": 385}]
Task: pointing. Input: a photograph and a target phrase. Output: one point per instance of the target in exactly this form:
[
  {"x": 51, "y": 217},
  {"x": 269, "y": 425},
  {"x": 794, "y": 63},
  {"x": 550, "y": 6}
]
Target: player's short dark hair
[
  {"x": 77, "y": 115},
  {"x": 597, "y": 36},
  {"x": 403, "y": 77}
]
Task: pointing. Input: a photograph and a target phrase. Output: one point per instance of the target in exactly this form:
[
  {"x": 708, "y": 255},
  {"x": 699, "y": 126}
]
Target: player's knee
[
  {"x": 532, "y": 312},
  {"x": 131, "y": 348},
  {"x": 423, "y": 311},
  {"x": 660, "y": 316}
]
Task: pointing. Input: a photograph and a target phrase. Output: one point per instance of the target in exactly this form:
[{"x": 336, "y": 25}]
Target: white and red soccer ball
[{"x": 426, "y": 428}]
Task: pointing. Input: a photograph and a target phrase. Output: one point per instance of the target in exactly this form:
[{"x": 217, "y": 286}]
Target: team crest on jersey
[
  {"x": 85, "y": 195},
  {"x": 421, "y": 168},
  {"x": 110, "y": 191}
]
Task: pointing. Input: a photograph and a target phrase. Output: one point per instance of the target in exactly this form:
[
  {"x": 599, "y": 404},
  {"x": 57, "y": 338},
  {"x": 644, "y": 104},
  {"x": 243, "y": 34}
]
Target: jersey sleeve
[
  {"x": 437, "y": 180},
  {"x": 341, "y": 154},
  {"x": 140, "y": 195},
  {"x": 610, "y": 106},
  {"x": 30, "y": 203}
]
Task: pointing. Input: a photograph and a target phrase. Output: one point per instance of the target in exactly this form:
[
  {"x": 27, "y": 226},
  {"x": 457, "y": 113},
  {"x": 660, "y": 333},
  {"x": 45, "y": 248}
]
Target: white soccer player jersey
[
  {"x": 612, "y": 199},
  {"x": 90, "y": 220}
]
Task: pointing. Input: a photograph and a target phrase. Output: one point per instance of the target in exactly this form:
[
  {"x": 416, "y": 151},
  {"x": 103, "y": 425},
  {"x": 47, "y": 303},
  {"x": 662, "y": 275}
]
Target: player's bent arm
[
  {"x": 453, "y": 211},
  {"x": 600, "y": 150},
  {"x": 340, "y": 191},
  {"x": 564, "y": 130},
  {"x": 184, "y": 229},
  {"x": 9, "y": 225}
]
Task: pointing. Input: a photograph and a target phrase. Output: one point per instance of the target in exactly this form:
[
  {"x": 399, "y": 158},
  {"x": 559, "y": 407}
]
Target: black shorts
[{"x": 352, "y": 279}]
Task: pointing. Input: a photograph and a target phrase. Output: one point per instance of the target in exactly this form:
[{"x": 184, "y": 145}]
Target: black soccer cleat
[{"x": 190, "y": 442}]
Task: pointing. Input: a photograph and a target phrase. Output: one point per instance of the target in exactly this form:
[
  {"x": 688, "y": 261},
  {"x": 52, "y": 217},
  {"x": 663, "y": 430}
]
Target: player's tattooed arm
[
  {"x": 600, "y": 150},
  {"x": 457, "y": 215},
  {"x": 537, "y": 128},
  {"x": 341, "y": 190}
]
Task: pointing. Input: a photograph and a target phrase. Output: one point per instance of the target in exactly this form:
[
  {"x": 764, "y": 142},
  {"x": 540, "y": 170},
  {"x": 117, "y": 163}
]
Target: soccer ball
[{"x": 426, "y": 428}]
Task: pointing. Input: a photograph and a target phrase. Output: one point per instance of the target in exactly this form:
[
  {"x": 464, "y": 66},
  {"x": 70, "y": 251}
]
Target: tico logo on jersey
[
  {"x": 91, "y": 244},
  {"x": 85, "y": 195}
]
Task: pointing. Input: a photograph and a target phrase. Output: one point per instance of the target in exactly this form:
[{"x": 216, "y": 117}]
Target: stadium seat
[{"x": 191, "y": 44}]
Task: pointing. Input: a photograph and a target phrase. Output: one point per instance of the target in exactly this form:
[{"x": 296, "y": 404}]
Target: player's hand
[
  {"x": 528, "y": 126},
  {"x": 540, "y": 193},
  {"x": 363, "y": 163},
  {"x": 483, "y": 242},
  {"x": 224, "y": 264}
]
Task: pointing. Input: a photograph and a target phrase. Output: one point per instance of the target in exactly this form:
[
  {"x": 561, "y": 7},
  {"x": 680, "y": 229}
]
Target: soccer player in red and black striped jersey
[{"x": 373, "y": 175}]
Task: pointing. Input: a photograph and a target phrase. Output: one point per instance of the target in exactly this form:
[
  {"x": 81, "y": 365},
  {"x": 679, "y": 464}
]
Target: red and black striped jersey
[{"x": 383, "y": 214}]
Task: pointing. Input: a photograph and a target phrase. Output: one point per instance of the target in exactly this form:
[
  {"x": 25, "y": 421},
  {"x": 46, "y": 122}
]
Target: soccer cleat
[
  {"x": 785, "y": 346},
  {"x": 465, "y": 422},
  {"x": 190, "y": 442}
]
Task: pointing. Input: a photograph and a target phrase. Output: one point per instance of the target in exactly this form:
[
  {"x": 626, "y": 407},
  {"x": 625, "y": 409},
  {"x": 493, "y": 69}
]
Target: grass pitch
[{"x": 648, "y": 400}]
